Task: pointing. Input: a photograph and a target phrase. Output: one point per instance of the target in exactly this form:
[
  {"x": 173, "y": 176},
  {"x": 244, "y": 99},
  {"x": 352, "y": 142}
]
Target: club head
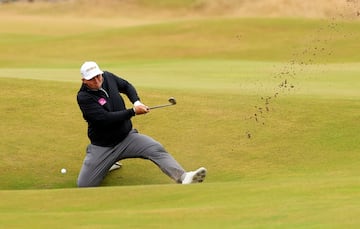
[{"x": 172, "y": 100}]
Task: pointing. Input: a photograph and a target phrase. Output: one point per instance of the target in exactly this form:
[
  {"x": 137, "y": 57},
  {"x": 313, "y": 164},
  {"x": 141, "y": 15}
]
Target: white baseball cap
[{"x": 89, "y": 70}]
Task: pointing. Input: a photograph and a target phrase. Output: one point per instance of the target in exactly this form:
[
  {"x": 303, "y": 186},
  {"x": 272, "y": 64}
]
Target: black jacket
[{"x": 104, "y": 110}]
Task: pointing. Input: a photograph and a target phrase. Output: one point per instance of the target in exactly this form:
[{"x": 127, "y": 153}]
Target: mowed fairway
[{"x": 269, "y": 106}]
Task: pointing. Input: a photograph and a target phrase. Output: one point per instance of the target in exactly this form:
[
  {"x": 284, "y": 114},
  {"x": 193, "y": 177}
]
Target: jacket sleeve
[
  {"x": 93, "y": 112},
  {"x": 126, "y": 88}
]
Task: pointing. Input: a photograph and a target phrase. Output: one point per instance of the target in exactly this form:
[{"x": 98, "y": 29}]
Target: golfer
[{"x": 111, "y": 134}]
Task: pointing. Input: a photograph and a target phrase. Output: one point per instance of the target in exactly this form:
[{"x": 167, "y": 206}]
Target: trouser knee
[{"x": 86, "y": 183}]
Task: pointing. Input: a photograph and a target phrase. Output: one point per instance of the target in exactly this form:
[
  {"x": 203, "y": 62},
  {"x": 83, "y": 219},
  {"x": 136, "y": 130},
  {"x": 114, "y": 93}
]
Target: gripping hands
[{"x": 140, "y": 108}]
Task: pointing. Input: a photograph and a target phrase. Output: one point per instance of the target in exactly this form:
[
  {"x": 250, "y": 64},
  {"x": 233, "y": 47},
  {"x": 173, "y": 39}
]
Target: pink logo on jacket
[{"x": 102, "y": 101}]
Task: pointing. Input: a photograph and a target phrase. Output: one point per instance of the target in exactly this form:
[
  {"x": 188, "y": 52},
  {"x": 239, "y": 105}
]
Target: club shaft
[{"x": 160, "y": 106}]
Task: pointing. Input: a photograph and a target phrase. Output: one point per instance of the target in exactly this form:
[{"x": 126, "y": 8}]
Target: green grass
[
  {"x": 298, "y": 170},
  {"x": 234, "y": 39},
  {"x": 293, "y": 165},
  {"x": 319, "y": 120},
  {"x": 292, "y": 202}
]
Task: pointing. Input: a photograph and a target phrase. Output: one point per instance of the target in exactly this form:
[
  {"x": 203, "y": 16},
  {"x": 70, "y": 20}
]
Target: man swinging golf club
[{"x": 110, "y": 130}]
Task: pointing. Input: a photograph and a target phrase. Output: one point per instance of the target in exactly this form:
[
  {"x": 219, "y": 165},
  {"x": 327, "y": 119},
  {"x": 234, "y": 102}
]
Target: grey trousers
[{"x": 98, "y": 160}]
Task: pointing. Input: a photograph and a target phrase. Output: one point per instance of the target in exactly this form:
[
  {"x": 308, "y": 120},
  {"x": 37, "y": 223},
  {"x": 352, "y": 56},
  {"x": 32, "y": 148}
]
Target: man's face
[{"x": 94, "y": 83}]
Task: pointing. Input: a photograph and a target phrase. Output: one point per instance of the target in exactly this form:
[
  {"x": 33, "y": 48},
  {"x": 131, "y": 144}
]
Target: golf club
[{"x": 171, "y": 100}]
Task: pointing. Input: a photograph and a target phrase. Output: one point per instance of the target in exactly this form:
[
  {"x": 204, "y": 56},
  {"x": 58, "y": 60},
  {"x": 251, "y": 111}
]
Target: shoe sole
[
  {"x": 115, "y": 166},
  {"x": 199, "y": 176}
]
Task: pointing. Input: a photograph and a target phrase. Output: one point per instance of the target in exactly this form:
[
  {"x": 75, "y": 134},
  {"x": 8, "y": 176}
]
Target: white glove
[
  {"x": 140, "y": 108},
  {"x": 138, "y": 103}
]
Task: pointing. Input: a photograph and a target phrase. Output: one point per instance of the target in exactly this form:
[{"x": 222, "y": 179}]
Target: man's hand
[{"x": 140, "y": 108}]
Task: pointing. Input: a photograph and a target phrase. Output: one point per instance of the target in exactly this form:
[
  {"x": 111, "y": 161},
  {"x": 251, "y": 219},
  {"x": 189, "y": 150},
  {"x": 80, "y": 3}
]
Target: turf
[
  {"x": 272, "y": 115},
  {"x": 52, "y": 44},
  {"x": 299, "y": 202}
]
